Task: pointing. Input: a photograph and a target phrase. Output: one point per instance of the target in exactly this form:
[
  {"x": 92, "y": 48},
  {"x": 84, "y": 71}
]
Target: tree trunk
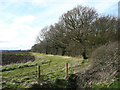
[
  {"x": 56, "y": 51},
  {"x": 63, "y": 52},
  {"x": 84, "y": 55},
  {"x": 46, "y": 51}
]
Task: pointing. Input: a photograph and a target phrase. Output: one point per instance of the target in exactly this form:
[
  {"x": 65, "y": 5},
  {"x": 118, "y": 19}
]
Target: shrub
[{"x": 102, "y": 68}]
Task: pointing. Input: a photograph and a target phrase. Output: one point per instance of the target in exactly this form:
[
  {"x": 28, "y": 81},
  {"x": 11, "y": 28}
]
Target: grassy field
[{"x": 22, "y": 75}]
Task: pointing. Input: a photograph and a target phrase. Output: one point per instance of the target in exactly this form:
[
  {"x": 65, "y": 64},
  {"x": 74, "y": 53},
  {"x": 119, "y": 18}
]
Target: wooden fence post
[
  {"x": 66, "y": 69},
  {"x": 39, "y": 72},
  {"x": 71, "y": 68}
]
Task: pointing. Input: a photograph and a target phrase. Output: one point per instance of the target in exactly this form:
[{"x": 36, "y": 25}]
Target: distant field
[
  {"x": 22, "y": 75},
  {"x": 9, "y": 57}
]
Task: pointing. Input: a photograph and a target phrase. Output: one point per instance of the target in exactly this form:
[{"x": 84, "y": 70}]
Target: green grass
[
  {"x": 52, "y": 67},
  {"x": 114, "y": 85}
]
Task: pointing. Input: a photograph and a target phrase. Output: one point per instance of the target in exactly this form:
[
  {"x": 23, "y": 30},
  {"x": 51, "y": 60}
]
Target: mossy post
[{"x": 66, "y": 69}]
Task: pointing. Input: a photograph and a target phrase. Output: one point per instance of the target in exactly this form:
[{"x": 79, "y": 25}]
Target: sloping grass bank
[{"x": 22, "y": 75}]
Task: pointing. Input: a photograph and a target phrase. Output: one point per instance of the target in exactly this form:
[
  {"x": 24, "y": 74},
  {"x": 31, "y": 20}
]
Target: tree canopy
[{"x": 78, "y": 32}]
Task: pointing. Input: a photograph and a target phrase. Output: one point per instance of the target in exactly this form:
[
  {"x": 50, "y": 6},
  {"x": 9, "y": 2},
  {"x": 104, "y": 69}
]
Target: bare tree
[{"x": 78, "y": 21}]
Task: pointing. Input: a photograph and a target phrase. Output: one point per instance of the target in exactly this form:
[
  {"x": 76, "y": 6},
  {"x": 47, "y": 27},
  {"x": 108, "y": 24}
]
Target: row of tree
[{"x": 78, "y": 32}]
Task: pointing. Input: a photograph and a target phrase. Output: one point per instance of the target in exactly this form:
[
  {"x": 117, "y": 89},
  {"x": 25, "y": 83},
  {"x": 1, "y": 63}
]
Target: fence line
[{"x": 68, "y": 68}]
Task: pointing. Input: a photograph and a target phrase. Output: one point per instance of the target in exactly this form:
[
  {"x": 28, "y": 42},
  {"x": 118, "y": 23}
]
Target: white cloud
[
  {"x": 5, "y": 32},
  {"x": 41, "y": 2},
  {"x": 24, "y": 19},
  {"x": 18, "y": 35}
]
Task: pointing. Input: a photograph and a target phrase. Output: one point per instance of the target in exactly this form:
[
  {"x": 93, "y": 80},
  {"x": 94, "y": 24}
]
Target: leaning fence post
[
  {"x": 66, "y": 69},
  {"x": 38, "y": 72}
]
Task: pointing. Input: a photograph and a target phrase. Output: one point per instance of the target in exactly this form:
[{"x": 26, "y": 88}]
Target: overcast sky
[{"x": 22, "y": 20}]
